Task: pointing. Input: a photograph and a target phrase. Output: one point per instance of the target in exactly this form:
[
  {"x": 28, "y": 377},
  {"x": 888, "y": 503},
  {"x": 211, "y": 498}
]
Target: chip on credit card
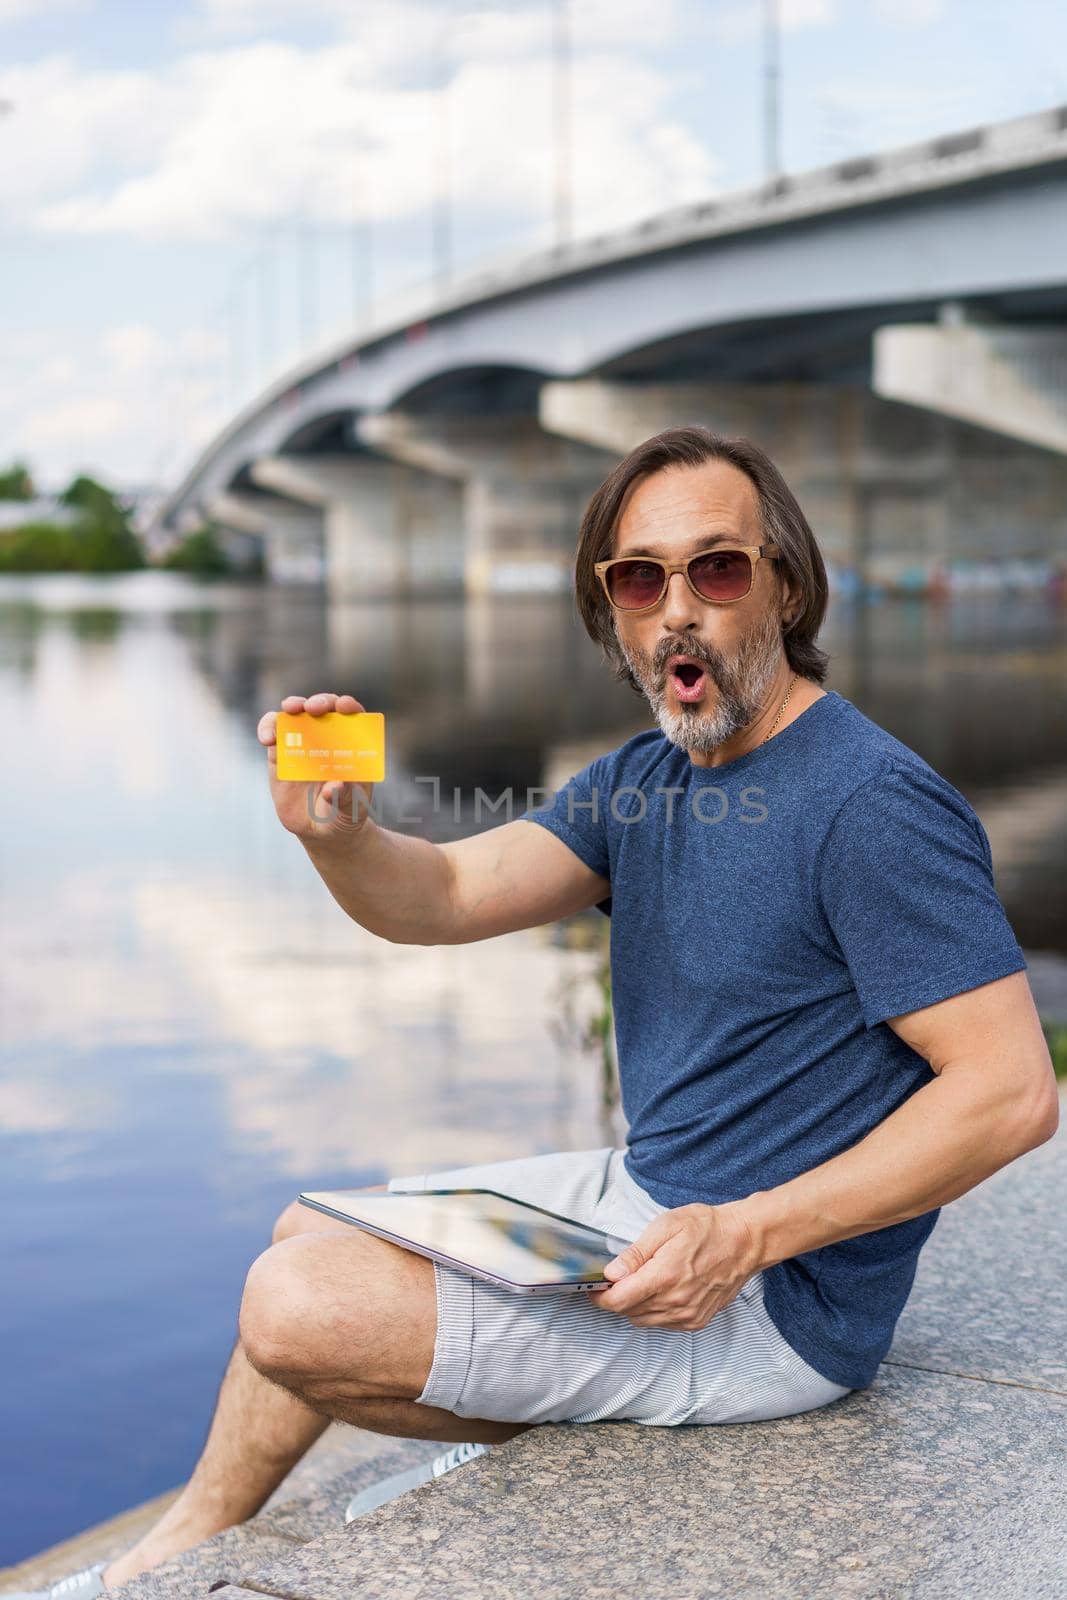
[{"x": 347, "y": 746}]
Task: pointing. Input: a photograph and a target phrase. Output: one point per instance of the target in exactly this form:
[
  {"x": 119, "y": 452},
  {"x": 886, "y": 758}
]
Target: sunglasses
[{"x": 637, "y": 583}]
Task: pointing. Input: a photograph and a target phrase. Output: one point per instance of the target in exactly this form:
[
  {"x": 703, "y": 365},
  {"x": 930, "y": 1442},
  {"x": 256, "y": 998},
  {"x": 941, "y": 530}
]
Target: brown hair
[{"x": 781, "y": 520}]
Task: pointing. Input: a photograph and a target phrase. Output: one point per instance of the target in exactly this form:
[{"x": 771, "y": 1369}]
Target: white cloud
[
  {"x": 230, "y": 140},
  {"x": 19, "y": 10},
  {"x": 909, "y": 13},
  {"x": 123, "y": 401},
  {"x": 43, "y": 1105},
  {"x": 247, "y": 143},
  {"x": 403, "y": 35},
  {"x": 869, "y": 116},
  {"x": 235, "y": 19},
  {"x": 247, "y": 137},
  {"x": 133, "y": 347},
  {"x": 68, "y": 128},
  {"x": 730, "y": 24},
  {"x": 81, "y": 423}
]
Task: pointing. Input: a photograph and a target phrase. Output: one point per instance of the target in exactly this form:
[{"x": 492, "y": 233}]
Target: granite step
[
  {"x": 924, "y": 1485},
  {"x": 946, "y": 1478},
  {"x": 310, "y": 1502}
]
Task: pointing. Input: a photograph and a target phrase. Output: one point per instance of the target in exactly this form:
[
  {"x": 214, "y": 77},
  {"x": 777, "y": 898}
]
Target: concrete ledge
[
  {"x": 340, "y": 1463},
  {"x": 922, "y": 1485},
  {"x": 946, "y": 1479}
]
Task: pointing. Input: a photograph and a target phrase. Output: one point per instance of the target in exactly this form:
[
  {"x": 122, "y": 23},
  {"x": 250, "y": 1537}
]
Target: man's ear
[{"x": 791, "y": 603}]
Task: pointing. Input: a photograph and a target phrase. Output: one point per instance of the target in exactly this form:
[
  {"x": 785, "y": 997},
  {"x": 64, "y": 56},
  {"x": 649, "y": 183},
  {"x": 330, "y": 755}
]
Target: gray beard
[{"x": 743, "y": 684}]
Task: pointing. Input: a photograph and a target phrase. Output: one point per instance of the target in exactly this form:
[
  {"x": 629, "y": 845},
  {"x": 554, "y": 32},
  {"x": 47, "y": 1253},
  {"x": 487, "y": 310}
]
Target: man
[{"x": 824, "y": 1028}]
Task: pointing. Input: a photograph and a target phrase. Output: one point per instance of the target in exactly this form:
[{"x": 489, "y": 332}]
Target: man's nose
[{"x": 680, "y": 604}]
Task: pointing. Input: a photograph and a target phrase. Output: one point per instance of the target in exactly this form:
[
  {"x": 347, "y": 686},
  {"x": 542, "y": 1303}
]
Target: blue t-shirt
[{"x": 767, "y": 916}]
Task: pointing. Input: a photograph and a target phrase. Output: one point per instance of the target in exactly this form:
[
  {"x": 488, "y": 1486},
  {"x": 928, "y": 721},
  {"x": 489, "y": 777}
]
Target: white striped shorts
[{"x": 507, "y": 1357}]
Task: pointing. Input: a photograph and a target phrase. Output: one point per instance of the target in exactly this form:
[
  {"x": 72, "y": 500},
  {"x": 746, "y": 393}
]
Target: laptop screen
[{"x": 492, "y": 1232}]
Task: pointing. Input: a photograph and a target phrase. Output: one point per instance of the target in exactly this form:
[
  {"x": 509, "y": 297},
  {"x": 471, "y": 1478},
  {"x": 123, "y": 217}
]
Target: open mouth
[{"x": 689, "y": 681}]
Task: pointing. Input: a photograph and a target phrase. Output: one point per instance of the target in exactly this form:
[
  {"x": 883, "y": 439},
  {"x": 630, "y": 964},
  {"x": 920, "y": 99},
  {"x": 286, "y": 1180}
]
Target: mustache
[{"x": 712, "y": 664}]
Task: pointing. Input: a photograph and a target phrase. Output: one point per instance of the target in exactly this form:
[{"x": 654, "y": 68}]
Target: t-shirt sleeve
[
  {"x": 575, "y": 814},
  {"x": 905, "y": 881}
]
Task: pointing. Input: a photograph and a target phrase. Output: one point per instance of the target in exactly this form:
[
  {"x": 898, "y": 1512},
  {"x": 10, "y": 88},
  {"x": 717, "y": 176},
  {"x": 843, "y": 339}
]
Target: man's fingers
[
  {"x": 644, "y": 1247},
  {"x": 635, "y": 1288},
  {"x": 316, "y": 704},
  {"x": 293, "y": 704},
  {"x": 649, "y": 1263}
]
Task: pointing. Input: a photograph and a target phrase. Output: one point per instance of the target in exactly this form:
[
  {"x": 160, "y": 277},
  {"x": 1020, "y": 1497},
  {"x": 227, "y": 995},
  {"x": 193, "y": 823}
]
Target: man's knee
[
  {"x": 316, "y": 1306},
  {"x": 298, "y": 1218},
  {"x": 275, "y": 1315},
  {"x": 291, "y": 1316}
]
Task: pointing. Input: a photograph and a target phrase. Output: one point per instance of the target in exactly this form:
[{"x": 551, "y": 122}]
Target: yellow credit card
[{"x": 345, "y": 745}]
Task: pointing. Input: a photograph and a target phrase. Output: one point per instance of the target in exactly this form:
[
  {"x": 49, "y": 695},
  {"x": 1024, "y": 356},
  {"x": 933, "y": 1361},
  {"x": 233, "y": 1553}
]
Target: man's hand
[
  {"x": 315, "y": 812},
  {"x": 687, "y": 1265}
]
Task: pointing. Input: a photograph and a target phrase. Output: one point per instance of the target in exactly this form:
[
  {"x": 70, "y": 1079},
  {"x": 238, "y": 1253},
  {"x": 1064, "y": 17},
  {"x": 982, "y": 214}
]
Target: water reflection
[{"x": 193, "y": 1030}]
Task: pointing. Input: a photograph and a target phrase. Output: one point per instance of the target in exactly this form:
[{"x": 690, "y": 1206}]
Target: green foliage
[
  {"x": 108, "y": 543},
  {"x": 101, "y": 538},
  {"x": 16, "y": 483},
  {"x": 99, "y": 504},
  {"x": 39, "y": 547},
  {"x": 200, "y": 554},
  {"x": 591, "y": 1026},
  {"x": 100, "y": 541},
  {"x": 107, "y": 548},
  {"x": 1056, "y": 1039}
]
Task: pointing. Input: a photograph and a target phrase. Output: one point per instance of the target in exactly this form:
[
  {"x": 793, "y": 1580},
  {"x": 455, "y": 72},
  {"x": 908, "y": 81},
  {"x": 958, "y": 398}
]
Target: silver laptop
[{"x": 492, "y": 1236}]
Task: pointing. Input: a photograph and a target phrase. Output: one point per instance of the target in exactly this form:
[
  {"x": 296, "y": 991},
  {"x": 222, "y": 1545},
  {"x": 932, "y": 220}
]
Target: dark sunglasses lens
[
  {"x": 634, "y": 583},
  {"x": 721, "y": 575}
]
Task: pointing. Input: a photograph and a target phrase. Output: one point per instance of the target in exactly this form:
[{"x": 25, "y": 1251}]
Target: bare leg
[
  {"x": 406, "y": 1419},
  {"x": 258, "y": 1433}
]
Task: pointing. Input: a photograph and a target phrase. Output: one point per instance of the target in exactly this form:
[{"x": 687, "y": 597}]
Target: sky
[{"x": 195, "y": 196}]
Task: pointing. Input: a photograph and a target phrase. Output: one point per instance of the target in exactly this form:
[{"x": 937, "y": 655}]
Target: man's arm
[
  {"x": 411, "y": 891},
  {"x": 993, "y": 1099}
]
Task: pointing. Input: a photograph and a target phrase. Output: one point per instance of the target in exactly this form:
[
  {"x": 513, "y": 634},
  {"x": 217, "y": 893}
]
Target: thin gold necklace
[{"x": 781, "y": 708}]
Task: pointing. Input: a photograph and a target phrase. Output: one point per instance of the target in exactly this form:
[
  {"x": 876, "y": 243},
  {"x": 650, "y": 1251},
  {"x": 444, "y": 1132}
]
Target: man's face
[{"x": 673, "y": 514}]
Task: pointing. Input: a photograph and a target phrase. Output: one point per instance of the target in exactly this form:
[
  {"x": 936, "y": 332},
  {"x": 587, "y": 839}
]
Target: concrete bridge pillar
[
  {"x": 1010, "y": 380},
  {"x": 524, "y": 491},
  {"x": 387, "y": 530},
  {"x": 289, "y": 534},
  {"x": 818, "y": 437},
  {"x": 893, "y": 493}
]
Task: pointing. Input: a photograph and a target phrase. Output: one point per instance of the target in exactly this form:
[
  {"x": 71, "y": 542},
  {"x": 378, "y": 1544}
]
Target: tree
[
  {"x": 16, "y": 483},
  {"x": 106, "y": 542},
  {"x": 39, "y": 547},
  {"x": 199, "y": 553}
]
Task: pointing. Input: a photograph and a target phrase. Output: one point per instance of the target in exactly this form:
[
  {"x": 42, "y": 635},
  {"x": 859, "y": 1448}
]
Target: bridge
[{"x": 892, "y": 329}]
